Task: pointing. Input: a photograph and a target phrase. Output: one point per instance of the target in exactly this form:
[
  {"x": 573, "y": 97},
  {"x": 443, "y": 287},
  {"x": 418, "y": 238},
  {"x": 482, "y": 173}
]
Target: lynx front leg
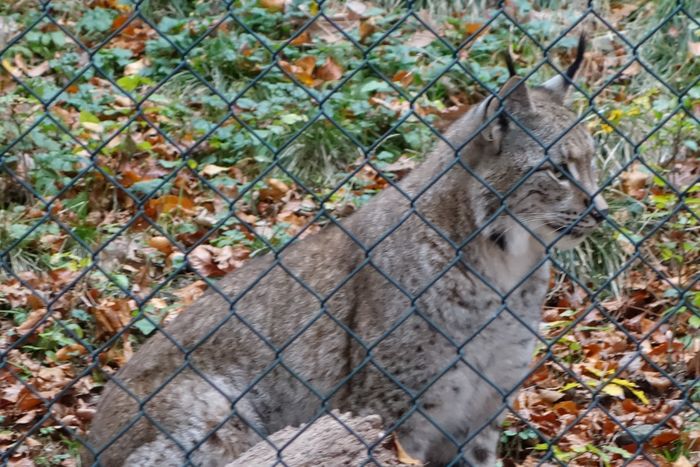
[{"x": 481, "y": 451}]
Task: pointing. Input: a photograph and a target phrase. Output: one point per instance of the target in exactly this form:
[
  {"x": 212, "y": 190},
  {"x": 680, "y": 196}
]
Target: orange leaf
[
  {"x": 329, "y": 71},
  {"x": 161, "y": 244},
  {"x": 302, "y": 39},
  {"x": 404, "y": 77},
  {"x": 273, "y": 5},
  {"x": 471, "y": 28},
  {"x": 664, "y": 438},
  {"x": 69, "y": 351},
  {"x": 169, "y": 203},
  {"x": 31, "y": 321},
  {"x": 565, "y": 407},
  {"x": 27, "y": 400},
  {"x": 119, "y": 21},
  {"x": 366, "y": 29},
  {"x": 129, "y": 177}
]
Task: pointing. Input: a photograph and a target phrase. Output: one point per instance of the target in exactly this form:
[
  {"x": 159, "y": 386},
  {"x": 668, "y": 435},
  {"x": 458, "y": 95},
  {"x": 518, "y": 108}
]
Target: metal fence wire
[{"x": 116, "y": 139}]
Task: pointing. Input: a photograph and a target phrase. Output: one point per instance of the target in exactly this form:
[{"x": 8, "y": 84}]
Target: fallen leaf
[
  {"x": 566, "y": 407},
  {"x": 38, "y": 70},
  {"x": 367, "y": 28},
  {"x": 471, "y": 28},
  {"x": 421, "y": 39},
  {"x": 135, "y": 68},
  {"x": 550, "y": 396},
  {"x": 402, "y": 456},
  {"x": 404, "y": 77},
  {"x": 275, "y": 190},
  {"x": 161, "y": 244},
  {"x": 168, "y": 203},
  {"x": 356, "y": 9},
  {"x": 70, "y": 351},
  {"x": 273, "y": 5},
  {"x": 94, "y": 127},
  {"x": 302, "y": 39},
  {"x": 26, "y": 418},
  {"x": 329, "y": 71},
  {"x": 634, "y": 183},
  {"x": 664, "y": 438},
  {"x": 33, "y": 318},
  {"x": 682, "y": 461},
  {"x": 27, "y": 400},
  {"x": 192, "y": 292},
  {"x": 9, "y": 68},
  {"x": 614, "y": 390},
  {"x": 402, "y": 164},
  {"x": 202, "y": 260},
  {"x": 632, "y": 70}
]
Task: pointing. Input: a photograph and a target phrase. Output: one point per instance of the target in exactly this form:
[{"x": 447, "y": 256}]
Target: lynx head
[{"x": 531, "y": 130}]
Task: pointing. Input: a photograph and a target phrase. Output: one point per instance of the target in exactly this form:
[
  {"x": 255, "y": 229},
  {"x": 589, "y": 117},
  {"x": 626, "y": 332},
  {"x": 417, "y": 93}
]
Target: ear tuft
[
  {"x": 510, "y": 64},
  {"x": 560, "y": 84},
  {"x": 581, "y": 49}
]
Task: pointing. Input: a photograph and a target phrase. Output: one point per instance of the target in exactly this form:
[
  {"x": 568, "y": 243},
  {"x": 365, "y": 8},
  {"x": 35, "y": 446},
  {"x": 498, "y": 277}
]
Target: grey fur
[{"x": 485, "y": 298}]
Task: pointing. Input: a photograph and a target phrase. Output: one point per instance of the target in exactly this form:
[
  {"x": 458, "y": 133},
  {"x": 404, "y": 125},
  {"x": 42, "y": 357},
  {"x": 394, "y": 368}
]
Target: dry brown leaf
[
  {"x": 420, "y": 39},
  {"x": 664, "y": 438},
  {"x": 275, "y": 191},
  {"x": 632, "y": 70},
  {"x": 33, "y": 318},
  {"x": 135, "y": 68},
  {"x": 273, "y": 5},
  {"x": 302, "y": 39},
  {"x": 161, "y": 244},
  {"x": 634, "y": 183},
  {"x": 302, "y": 69},
  {"x": 403, "y": 164},
  {"x": 192, "y": 292},
  {"x": 168, "y": 203},
  {"x": 26, "y": 418},
  {"x": 329, "y": 71},
  {"x": 38, "y": 70},
  {"x": 404, "y": 77},
  {"x": 231, "y": 258},
  {"x": 682, "y": 461},
  {"x": 367, "y": 28},
  {"x": 550, "y": 396},
  {"x": 202, "y": 259},
  {"x": 112, "y": 315},
  {"x": 402, "y": 455},
  {"x": 27, "y": 400},
  {"x": 471, "y": 28},
  {"x": 356, "y": 9},
  {"x": 566, "y": 407},
  {"x": 70, "y": 351},
  {"x": 11, "y": 393}
]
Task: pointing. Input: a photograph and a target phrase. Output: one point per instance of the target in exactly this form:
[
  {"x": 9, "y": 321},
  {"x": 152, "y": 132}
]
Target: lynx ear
[
  {"x": 515, "y": 98},
  {"x": 560, "y": 84}
]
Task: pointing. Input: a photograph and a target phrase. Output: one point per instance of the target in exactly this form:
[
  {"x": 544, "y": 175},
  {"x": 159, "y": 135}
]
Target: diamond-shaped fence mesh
[{"x": 223, "y": 219}]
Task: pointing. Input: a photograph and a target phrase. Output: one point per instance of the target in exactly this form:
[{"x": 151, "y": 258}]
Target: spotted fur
[{"x": 433, "y": 324}]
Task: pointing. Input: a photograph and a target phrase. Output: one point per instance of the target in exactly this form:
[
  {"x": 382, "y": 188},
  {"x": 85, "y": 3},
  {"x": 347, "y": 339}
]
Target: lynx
[{"x": 422, "y": 306}]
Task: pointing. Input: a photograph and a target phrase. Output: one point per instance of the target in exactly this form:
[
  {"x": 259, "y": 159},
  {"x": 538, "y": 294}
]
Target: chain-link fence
[{"x": 152, "y": 150}]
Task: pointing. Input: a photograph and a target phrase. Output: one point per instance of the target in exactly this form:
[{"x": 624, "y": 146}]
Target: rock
[{"x": 324, "y": 443}]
